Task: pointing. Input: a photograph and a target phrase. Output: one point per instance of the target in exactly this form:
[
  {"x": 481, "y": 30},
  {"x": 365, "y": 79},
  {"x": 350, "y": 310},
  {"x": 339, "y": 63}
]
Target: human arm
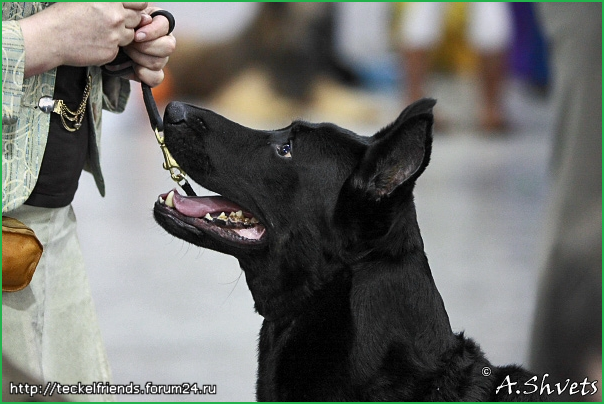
[{"x": 79, "y": 34}]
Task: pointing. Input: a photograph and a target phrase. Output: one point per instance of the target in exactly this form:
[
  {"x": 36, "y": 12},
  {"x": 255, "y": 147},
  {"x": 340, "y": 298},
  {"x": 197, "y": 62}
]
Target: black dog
[{"x": 323, "y": 224}]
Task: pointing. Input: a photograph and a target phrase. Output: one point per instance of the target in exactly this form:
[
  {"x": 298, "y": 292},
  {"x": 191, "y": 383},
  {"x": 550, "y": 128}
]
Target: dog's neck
[
  {"x": 397, "y": 266},
  {"x": 395, "y": 259},
  {"x": 378, "y": 304}
]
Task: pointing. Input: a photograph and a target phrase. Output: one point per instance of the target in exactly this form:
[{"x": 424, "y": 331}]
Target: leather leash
[{"x": 157, "y": 124}]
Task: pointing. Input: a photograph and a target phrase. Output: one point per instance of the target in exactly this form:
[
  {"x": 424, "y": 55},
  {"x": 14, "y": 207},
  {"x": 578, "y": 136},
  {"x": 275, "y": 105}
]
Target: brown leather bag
[{"x": 21, "y": 252}]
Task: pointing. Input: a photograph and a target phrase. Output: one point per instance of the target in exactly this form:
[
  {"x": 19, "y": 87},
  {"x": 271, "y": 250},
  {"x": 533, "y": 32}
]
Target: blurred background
[{"x": 172, "y": 313}]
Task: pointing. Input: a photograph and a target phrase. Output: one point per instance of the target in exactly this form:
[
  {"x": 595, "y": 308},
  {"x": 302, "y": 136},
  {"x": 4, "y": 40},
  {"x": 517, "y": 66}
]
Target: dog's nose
[{"x": 176, "y": 112}]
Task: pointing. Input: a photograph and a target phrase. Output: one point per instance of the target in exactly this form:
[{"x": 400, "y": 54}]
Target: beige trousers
[{"x": 49, "y": 329}]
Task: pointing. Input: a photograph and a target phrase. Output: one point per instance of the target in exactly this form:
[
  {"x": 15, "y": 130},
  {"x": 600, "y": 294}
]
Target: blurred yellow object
[{"x": 453, "y": 53}]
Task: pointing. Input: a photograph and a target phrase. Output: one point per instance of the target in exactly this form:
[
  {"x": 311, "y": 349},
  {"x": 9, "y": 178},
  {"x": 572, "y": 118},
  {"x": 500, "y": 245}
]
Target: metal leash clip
[
  {"x": 176, "y": 173},
  {"x": 170, "y": 164}
]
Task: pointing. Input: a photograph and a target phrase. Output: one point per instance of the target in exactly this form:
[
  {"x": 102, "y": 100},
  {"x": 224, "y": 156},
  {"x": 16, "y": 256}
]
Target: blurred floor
[{"x": 172, "y": 313}]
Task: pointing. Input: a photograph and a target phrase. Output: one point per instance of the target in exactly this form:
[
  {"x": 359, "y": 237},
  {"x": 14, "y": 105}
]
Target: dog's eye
[{"x": 285, "y": 150}]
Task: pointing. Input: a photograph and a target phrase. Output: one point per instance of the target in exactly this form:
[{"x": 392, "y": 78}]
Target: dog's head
[{"x": 296, "y": 204}]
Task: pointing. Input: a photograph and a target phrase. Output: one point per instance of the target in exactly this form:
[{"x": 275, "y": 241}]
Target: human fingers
[
  {"x": 133, "y": 19},
  {"x": 126, "y": 36},
  {"x": 138, "y": 6},
  {"x": 140, "y": 10},
  {"x": 147, "y": 61},
  {"x": 146, "y": 19},
  {"x": 137, "y": 16},
  {"x": 152, "y": 78},
  {"x": 159, "y": 26},
  {"x": 161, "y": 47},
  {"x": 113, "y": 23}
]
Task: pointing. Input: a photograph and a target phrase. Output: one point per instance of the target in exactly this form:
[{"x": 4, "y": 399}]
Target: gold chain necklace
[{"x": 76, "y": 117}]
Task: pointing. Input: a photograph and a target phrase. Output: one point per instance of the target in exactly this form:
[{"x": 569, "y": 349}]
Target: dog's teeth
[
  {"x": 233, "y": 218},
  {"x": 170, "y": 199},
  {"x": 222, "y": 218},
  {"x": 161, "y": 200},
  {"x": 237, "y": 217}
]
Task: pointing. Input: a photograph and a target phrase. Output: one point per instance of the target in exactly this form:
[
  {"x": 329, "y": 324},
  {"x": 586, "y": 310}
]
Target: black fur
[{"x": 351, "y": 309}]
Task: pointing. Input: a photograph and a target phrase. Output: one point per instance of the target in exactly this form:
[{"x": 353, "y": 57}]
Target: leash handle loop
[{"x": 123, "y": 58}]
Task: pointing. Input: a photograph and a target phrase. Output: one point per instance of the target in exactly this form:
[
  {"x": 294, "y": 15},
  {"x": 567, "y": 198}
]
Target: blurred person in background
[
  {"x": 489, "y": 31},
  {"x": 567, "y": 334},
  {"x": 53, "y": 90}
]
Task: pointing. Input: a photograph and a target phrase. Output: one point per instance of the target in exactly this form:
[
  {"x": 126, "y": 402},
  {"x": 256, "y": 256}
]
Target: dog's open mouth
[{"x": 216, "y": 215}]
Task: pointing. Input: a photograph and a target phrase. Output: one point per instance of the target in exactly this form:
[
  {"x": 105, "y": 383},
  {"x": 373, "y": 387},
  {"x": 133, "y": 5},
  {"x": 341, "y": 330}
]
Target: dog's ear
[{"x": 398, "y": 153}]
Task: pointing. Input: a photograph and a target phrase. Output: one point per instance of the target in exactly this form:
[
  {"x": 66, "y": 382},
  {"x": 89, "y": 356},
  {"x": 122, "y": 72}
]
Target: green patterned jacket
[{"x": 24, "y": 126}]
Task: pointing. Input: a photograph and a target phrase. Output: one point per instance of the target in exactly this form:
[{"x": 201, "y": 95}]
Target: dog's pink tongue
[
  {"x": 251, "y": 233},
  {"x": 198, "y": 206}
]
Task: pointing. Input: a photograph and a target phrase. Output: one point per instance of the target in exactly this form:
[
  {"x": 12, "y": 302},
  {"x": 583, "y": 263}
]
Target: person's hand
[
  {"x": 151, "y": 49},
  {"x": 79, "y": 34}
]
